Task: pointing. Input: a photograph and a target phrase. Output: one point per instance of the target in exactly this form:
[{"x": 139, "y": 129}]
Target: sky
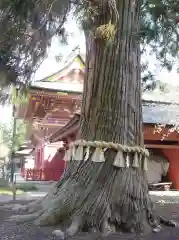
[
  {"x": 50, "y": 65},
  {"x": 76, "y": 38}
]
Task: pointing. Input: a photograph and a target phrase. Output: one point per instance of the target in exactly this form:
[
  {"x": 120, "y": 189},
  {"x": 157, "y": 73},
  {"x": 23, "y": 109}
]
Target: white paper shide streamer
[
  {"x": 127, "y": 161},
  {"x": 135, "y": 163},
  {"x": 145, "y": 159},
  {"x": 98, "y": 155},
  {"x": 79, "y": 153},
  {"x": 119, "y": 160},
  {"x": 87, "y": 153},
  {"x": 68, "y": 155}
]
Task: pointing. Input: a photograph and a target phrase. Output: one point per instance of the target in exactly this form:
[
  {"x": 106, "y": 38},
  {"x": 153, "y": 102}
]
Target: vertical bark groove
[{"x": 111, "y": 102}]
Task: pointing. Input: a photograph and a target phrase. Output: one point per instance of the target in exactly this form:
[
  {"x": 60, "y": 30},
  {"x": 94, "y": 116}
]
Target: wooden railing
[{"x": 42, "y": 174}]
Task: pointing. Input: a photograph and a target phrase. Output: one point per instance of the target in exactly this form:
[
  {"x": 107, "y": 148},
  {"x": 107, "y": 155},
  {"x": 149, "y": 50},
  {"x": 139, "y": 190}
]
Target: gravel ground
[{"x": 28, "y": 231}]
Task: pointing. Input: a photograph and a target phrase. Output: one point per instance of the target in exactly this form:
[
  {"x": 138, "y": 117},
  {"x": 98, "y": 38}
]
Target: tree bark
[
  {"x": 111, "y": 108},
  {"x": 100, "y": 196}
]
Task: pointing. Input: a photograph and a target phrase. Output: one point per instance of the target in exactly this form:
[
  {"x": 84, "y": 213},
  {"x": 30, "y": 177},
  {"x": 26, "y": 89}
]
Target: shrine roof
[
  {"x": 62, "y": 80},
  {"x": 55, "y": 87},
  {"x": 154, "y": 112},
  {"x": 71, "y": 127},
  {"x": 160, "y": 113},
  {"x": 160, "y": 107}
]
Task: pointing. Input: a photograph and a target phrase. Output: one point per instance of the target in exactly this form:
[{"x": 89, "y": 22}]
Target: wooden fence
[{"x": 42, "y": 174}]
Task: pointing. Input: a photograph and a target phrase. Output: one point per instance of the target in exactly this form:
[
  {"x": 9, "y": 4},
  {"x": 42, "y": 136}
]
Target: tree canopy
[{"x": 27, "y": 28}]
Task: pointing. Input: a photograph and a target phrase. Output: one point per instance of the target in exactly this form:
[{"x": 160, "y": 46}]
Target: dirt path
[
  {"x": 21, "y": 232},
  {"x": 28, "y": 231}
]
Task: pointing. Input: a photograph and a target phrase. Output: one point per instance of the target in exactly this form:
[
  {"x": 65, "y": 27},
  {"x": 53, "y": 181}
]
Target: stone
[
  {"x": 157, "y": 229},
  {"x": 59, "y": 234}
]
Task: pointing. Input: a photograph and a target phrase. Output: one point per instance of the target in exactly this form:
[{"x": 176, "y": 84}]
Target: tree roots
[
  {"x": 108, "y": 225},
  {"x": 111, "y": 223},
  {"x": 95, "y": 202}
]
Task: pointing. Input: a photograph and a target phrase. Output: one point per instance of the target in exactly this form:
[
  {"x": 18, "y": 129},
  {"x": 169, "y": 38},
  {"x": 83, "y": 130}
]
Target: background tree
[
  {"x": 4, "y": 152},
  {"x": 98, "y": 192},
  {"x": 6, "y": 131},
  {"x": 6, "y": 141}
]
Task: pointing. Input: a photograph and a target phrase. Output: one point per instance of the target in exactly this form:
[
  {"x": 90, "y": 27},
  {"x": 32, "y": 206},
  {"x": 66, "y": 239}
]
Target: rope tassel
[
  {"x": 135, "y": 161},
  {"x": 140, "y": 161},
  {"x": 98, "y": 155},
  {"x": 126, "y": 156},
  {"x": 87, "y": 153},
  {"x": 145, "y": 164},
  {"x": 127, "y": 161},
  {"x": 119, "y": 160},
  {"x": 68, "y": 155},
  {"x": 79, "y": 154},
  {"x": 73, "y": 151}
]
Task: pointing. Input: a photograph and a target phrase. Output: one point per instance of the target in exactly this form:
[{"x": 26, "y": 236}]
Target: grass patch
[
  {"x": 5, "y": 189},
  {"x": 8, "y": 191}
]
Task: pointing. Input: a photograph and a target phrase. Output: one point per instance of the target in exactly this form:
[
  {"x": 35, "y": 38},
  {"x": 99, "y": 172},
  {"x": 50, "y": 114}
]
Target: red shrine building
[
  {"x": 52, "y": 102},
  {"x": 53, "y": 115}
]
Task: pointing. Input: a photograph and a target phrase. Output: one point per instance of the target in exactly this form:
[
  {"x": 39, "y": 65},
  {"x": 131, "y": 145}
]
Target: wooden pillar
[
  {"x": 37, "y": 157},
  {"x": 42, "y": 154},
  {"x": 173, "y": 173}
]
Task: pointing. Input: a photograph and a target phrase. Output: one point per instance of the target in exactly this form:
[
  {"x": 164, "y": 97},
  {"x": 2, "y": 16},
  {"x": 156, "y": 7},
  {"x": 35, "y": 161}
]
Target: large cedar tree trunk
[{"x": 100, "y": 196}]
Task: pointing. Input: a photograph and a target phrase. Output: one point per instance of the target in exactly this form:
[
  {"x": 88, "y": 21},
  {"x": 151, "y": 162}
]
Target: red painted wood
[
  {"x": 46, "y": 170},
  {"x": 173, "y": 155},
  {"x": 42, "y": 174}
]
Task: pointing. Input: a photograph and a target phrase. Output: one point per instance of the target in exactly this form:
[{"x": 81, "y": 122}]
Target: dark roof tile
[{"x": 160, "y": 113}]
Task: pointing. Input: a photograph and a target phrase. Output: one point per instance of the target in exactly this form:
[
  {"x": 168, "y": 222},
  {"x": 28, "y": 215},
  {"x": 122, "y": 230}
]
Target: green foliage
[
  {"x": 6, "y": 131},
  {"x": 20, "y": 96},
  {"x": 156, "y": 84},
  {"x": 27, "y": 27},
  {"x": 160, "y": 30}
]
